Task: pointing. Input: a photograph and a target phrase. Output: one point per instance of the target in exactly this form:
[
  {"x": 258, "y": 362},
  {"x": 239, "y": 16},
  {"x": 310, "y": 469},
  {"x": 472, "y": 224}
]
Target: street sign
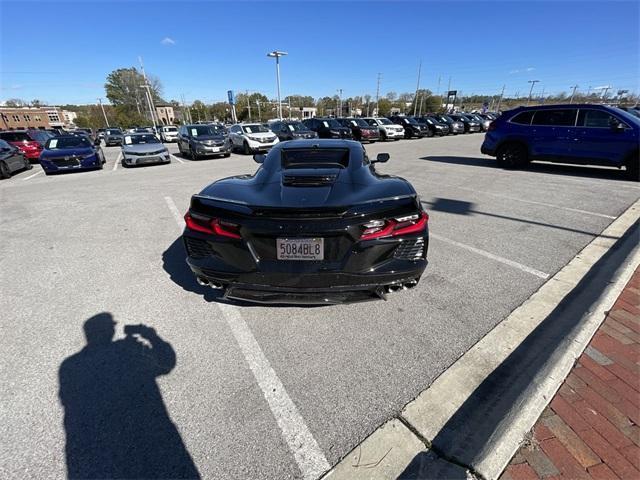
[
  {"x": 452, "y": 93},
  {"x": 232, "y": 98}
]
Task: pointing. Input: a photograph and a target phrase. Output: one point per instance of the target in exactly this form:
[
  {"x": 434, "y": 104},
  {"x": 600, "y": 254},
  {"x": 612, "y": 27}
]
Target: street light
[
  {"x": 532, "y": 82},
  {"x": 277, "y": 54}
]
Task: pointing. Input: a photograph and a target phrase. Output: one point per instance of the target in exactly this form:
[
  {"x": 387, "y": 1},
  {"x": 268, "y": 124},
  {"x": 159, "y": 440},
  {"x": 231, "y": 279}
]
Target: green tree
[
  {"x": 15, "y": 102},
  {"x": 124, "y": 87}
]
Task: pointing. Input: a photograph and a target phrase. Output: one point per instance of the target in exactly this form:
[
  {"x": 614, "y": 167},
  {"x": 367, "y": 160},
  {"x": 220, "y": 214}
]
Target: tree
[
  {"x": 391, "y": 96},
  {"x": 37, "y": 103},
  {"x": 245, "y": 102},
  {"x": 123, "y": 87},
  {"x": 15, "y": 102}
]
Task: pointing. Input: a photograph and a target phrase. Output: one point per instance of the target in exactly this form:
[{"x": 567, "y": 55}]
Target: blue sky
[{"x": 202, "y": 49}]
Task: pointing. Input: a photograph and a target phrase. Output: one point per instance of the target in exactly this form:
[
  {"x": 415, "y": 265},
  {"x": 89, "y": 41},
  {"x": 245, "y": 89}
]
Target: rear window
[
  {"x": 565, "y": 117},
  {"x": 14, "y": 136},
  {"x": 523, "y": 118},
  {"x": 315, "y": 158}
]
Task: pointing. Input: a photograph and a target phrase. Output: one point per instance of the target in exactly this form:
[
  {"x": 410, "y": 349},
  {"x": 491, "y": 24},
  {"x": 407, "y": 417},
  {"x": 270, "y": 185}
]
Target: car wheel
[
  {"x": 429, "y": 133},
  {"x": 633, "y": 168},
  {"x": 192, "y": 154},
  {"x": 27, "y": 164},
  {"x": 383, "y": 136},
  {"x": 512, "y": 155},
  {"x": 246, "y": 149},
  {"x": 226, "y": 155},
  {"x": 4, "y": 170}
]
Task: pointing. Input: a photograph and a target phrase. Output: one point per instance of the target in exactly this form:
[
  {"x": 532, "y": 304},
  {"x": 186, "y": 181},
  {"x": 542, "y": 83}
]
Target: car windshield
[
  {"x": 60, "y": 143},
  {"x": 409, "y": 120},
  {"x": 315, "y": 158},
  {"x": 254, "y": 129},
  {"x": 15, "y": 136},
  {"x": 140, "y": 138},
  {"x": 114, "y": 131},
  {"x": 203, "y": 130},
  {"x": 445, "y": 119},
  {"x": 632, "y": 115},
  {"x": 384, "y": 121},
  {"x": 170, "y": 129},
  {"x": 358, "y": 122},
  {"x": 331, "y": 123},
  {"x": 297, "y": 127}
]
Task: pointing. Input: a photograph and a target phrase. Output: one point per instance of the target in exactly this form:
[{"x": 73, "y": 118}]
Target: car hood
[
  {"x": 67, "y": 152},
  {"x": 144, "y": 148},
  {"x": 203, "y": 138},
  {"x": 261, "y": 134}
]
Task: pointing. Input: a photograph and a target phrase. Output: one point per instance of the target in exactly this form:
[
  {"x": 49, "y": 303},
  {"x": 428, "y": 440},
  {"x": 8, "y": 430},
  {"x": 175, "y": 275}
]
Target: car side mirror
[
  {"x": 382, "y": 158},
  {"x": 259, "y": 157},
  {"x": 617, "y": 126}
]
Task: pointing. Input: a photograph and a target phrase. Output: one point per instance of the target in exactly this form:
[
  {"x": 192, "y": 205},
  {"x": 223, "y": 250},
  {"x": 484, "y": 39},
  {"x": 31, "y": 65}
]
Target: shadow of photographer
[{"x": 115, "y": 420}]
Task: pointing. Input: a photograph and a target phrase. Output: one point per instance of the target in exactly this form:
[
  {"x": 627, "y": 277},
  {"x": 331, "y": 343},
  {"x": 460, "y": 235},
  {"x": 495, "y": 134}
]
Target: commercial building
[
  {"x": 15, "y": 118},
  {"x": 165, "y": 114}
]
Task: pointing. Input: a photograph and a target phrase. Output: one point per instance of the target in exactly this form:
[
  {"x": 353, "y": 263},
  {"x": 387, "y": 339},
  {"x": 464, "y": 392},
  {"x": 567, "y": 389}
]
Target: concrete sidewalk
[{"x": 591, "y": 428}]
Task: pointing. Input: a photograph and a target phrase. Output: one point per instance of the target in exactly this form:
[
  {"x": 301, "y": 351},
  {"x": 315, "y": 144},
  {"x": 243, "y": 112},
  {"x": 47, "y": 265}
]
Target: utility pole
[
  {"x": 277, "y": 54},
  {"x": 103, "y": 112},
  {"x": 532, "y": 82},
  {"x": 289, "y": 101},
  {"x": 339, "y": 101},
  {"x": 246, "y": 92},
  {"x": 153, "y": 118},
  {"x": 415, "y": 101},
  {"x": 378, "y": 95},
  {"x": 421, "y": 102},
  {"x": 500, "y": 99},
  {"x": 542, "y": 96},
  {"x": 150, "y": 97},
  {"x": 438, "y": 91},
  {"x": 259, "y": 114},
  {"x": 604, "y": 94},
  {"x": 573, "y": 93}
]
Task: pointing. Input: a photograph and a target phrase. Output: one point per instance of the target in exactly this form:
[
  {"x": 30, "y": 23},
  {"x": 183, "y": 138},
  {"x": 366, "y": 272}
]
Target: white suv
[
  {"x": 388, "y": 129},
  {"x": 169, "y": 134},
  {"x": 252, "y": 137}
]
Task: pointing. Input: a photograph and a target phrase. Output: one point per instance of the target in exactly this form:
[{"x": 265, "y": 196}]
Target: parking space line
[
  {"x": 33, "y": 175},
  {"x": 532, "y": 202},
  {"x": 176, "y": 158},
  {"x": 115, "y": 165},
  {"x": 174, "y": 211},
  {"x": 497, "y": 258},
  {"x": 303, "y": 445}
]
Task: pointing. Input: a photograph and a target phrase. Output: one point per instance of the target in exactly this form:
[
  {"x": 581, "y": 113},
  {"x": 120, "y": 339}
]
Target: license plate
[
  {"x": 214, "y": 149},
  {"x": 300, "y": 248}
]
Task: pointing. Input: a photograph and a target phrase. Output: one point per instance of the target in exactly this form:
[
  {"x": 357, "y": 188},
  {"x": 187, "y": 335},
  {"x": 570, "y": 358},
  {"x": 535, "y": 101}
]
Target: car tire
[
  {"x": 246, "y": 149},
  {"x": 512, "y": 156},
  {"x": 27, "y": 164},
  {"x": 4, "y": 170},
  {"x": 633, "y": 168},
  {"x": 383, "y": 136},
  {"x": 193, "y": 155},
  {"x": 429, "y": 133},
  {"x": 226, "y": 155}
]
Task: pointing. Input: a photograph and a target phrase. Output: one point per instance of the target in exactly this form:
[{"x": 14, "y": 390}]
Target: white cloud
[
  {"x": 168, "y": 41},
  {"x": 522, "y": 70}
]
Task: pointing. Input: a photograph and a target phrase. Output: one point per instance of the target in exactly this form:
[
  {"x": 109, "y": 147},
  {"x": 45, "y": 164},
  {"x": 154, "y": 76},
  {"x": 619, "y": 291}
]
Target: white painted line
[
  {"x": 303, "y": 446},
  {"x": 532, "y": 202},
  {"x": 176, "y": 158},
  {"x": 115, "y": 165},
  {"x": 33, "y": 175},
  {"x": 305, "y": 449},
  {"x": 497, "y": 258},
  {"x": 175, "y": 212}
]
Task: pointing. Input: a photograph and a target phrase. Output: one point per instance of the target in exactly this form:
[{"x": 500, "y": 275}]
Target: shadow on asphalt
[
  {"x": 461, "y": 207},
  {"x": 536, "y": 167},
  {"x": 115, "y": 420},
  {"x": 467, "y": 437}
]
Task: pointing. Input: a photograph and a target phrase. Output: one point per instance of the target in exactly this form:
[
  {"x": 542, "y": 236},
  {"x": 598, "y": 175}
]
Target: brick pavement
[{"x": 591, "y": 428}]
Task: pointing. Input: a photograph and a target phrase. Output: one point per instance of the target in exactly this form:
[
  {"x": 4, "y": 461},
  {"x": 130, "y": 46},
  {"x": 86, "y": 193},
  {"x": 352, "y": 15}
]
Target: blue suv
[{"x": 579, "y": 134}]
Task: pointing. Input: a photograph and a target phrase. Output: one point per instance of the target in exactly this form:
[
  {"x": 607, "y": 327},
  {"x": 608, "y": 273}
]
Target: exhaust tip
[{"x": 202, "y": 281}]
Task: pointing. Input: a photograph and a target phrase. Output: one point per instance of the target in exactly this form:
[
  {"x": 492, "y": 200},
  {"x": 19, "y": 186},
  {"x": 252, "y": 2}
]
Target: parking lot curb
[{"x": 475, "y": 415}]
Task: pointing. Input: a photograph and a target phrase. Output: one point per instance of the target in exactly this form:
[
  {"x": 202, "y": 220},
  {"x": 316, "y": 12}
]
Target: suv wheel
[
  {"x": 383, "y": 136},
  {"x": 246, "y": 149},
  {"x": 633, "y": 168},
  {"x": 512, "y": 155},
  {"x": 27, "y": 163},
  {"x": 193, "y": 154},
  {"x": 429, "y": 133}
]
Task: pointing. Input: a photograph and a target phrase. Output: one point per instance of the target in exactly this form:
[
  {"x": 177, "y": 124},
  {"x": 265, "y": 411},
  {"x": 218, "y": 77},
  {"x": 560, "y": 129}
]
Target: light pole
[
  {"x": 277, "y": 54},
  {"x": 153, "y": 118},
  {"x": 573, "y": 93},
  {"x": 103, "y": 112},
  {"x": 532, "y": 82}
]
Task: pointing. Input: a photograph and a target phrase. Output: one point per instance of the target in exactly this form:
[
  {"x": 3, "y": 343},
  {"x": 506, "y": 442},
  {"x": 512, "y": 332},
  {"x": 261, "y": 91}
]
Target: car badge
[{"x": 67, "y": 159}]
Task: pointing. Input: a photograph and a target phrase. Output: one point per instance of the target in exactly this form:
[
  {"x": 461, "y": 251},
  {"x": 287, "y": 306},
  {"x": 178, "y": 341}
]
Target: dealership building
[{"x": 16, "y": 118}]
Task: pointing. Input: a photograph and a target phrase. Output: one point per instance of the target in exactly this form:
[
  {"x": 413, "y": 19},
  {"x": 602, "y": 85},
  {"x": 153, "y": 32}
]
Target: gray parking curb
[{"x": 476, "y": 414}]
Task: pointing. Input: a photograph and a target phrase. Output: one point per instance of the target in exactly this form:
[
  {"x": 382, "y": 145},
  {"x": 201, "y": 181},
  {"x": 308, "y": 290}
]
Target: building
[
  {"x": 165, "y": 114},
  {"x": 308, "y": 112},
  {"x": 14, "y": 118}
]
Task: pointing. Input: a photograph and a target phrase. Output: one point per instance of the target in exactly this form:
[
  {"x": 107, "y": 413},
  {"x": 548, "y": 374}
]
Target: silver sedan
[{"x": 143, "y": 149}]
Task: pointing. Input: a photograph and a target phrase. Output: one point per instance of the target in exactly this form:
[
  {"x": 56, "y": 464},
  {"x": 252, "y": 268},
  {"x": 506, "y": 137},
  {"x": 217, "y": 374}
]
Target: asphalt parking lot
[{"x": 263, "y": 392}]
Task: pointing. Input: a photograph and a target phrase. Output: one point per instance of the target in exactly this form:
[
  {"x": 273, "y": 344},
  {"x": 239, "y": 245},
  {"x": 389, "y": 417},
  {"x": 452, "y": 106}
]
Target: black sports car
[{"x": 315, "y": 224}]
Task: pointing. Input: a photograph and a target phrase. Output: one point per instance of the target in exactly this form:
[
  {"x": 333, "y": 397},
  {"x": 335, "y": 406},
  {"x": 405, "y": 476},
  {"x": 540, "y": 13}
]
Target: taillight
[
  {"x": 213, "y": 226},
  {"x": 394, "y": 227},
  {"x": 492, "y": 127}
]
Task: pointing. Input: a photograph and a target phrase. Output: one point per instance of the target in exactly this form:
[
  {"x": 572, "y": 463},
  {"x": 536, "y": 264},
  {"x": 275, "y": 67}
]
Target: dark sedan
[
  {"x": 470, "y": 125},
  {"x": 455, "y": 127},
  {"x": 360, "y": 129},
  {"x": 328, "y": 128},
  {"x": 435, "y": 126},
  {"x": 12, "y": 159},
  {"x": 69, "y": 153},
  {"x": 291, "y": 130},
  {"x": 315, "y": 224}
]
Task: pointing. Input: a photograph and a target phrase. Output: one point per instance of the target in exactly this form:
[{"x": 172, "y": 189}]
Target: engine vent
[
  {"x": 410, "y": 250},
  {"x": 308, "y": 180}
]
